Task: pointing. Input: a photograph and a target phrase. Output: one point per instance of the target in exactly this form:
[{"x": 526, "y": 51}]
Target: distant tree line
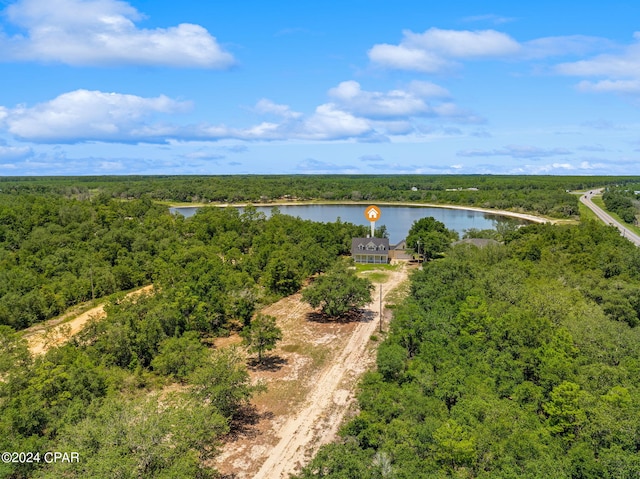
[
  {"x": 624, "y": 202},
  {"x": 540, "y": 194}
]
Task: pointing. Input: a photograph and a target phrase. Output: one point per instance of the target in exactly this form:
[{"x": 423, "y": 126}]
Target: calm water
[{"x": 398, "y": 219}]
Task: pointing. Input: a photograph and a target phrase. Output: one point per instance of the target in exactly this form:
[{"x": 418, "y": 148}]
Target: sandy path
[
  {"x": 53, "y": 332},
  {"x": 317, "y": 422}
]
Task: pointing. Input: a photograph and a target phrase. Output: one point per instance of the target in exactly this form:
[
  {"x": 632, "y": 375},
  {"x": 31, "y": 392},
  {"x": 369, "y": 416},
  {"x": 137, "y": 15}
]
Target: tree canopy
[
  {"x": 515, "y": 360},
  {"x": 429, "y": 237},
  {"x": 338, "y": 292},
  {"x": 261, "y": 335}
]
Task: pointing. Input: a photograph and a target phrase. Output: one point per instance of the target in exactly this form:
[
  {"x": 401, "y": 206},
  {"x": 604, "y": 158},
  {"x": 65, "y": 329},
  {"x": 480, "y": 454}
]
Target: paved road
[{"x": 604, "y": 216}]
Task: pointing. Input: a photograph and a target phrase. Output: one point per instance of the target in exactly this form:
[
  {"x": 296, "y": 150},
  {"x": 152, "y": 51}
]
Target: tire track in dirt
[
  {"x": 43, "y": 336},
  {"x": 317, "y": 422}
]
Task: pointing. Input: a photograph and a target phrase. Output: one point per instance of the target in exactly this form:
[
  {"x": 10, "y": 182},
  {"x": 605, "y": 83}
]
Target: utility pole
[
  {"x": 93, "y": 293},
  {"x": 380, "y": 307}
]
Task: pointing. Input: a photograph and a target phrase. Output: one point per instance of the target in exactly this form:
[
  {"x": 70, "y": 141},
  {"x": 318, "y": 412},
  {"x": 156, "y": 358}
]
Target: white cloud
[
  {"x": 394, "y": 110},
  {"x": 83, "y": 115},
  {"x": 266, "y": 106},
  {"x": 625, "y": 64},
  {"x": 111, "y": 166},
  {"x": 402, "y": 57},
  {"x": 102, "y": 33},
  {"x": 427, "y": 89},
  {"x": 329, "y": 122},
  {"x": 620, "y": 71},
  {"x": 433, "y": 50},
  {"x": 608, "y": 86},
  {"x": 436, "y": 50},
  {"x": 516, "y": 151},
  {"x": 13, "y": 153},
  {"x": 372, "y": 104},
  {"x": 546, "y": 47},
  {"x": 463, "y": 43}
]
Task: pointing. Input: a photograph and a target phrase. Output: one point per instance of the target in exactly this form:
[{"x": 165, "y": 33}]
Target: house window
[
  {"x": 381, "y": 247},
  {"x": 360, "y": 246},
  {"x": 371, "y": 247}
]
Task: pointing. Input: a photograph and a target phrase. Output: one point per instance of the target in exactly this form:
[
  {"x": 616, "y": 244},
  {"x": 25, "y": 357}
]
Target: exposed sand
[
  {"x": 307, "y": 398},
  {"x": 512, "y": 214},
  {"x": 41, "y": 337}
]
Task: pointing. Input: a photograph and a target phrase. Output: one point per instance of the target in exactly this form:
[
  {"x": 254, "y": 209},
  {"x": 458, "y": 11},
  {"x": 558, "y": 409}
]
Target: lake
[{"x": 397, "y": 219}]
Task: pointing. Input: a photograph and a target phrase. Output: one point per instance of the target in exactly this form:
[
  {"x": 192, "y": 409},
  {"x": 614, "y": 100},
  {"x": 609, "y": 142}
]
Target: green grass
[
  {"x": 586, "y": 214},
  {"x": 398, "y": 294},
  {"x": 376, "y": 277},
  {"x": 599, "y": 202},
  {"x": 361, "y": 267}
]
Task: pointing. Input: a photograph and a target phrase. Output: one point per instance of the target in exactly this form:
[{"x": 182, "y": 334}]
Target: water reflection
[{"x": 397, "y": 219}]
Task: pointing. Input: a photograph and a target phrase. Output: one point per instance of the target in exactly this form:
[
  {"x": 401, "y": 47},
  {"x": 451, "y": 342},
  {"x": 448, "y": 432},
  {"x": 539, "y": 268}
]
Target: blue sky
[{"x": 362, "y": 86}]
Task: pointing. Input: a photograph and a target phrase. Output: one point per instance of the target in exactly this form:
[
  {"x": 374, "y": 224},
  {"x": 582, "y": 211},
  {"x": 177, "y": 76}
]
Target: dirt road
[
  {"x": 56, "y": 331},
  {"x": 316, "y": 422}
]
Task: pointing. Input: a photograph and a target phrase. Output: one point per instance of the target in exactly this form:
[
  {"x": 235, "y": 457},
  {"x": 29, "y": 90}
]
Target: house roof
[
  {"x": 401, "y": 245},
  {"x": 371, "y": 243}
]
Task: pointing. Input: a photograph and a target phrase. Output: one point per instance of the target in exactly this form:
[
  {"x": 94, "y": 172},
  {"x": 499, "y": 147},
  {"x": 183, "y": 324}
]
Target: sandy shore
[{"x": 511, "y": 214}]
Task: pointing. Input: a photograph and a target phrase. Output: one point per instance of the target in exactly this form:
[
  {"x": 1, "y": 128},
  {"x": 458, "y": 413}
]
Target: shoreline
[{"x": 512, "y": 214}]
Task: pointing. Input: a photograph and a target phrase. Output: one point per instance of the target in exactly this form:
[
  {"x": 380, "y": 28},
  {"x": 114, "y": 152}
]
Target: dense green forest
[
  {"x": 513, "y": 361},
  {"x": 106, "y": 394},
  {"x": 56, "y": 252},
  {"x": 624, "y": 201},
  {"x": 545, "y": 195}
]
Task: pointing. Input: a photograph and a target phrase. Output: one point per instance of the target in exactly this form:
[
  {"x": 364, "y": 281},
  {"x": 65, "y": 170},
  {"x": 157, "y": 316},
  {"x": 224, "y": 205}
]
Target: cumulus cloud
[
  {"x": 436, "y": 50},
  {"x": 433, "y": 50},
  {"x": 620, "y": 70},
  {"x": 330, "y": 122},
  {"x": 104, "y": 33},
  {"x": 83, "y": 115},
  {"x": 404, "y": 57},
  {"x": 427, "y": 89},
  {"x": 393, "y": 110},
  {"x": 463, "y": 43},
  {"x": 266, "y": 106},
  {"x": 352, "y": 113},
  {"x": 623, "y": 64},
  {"x": 395, "y": 103}
]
